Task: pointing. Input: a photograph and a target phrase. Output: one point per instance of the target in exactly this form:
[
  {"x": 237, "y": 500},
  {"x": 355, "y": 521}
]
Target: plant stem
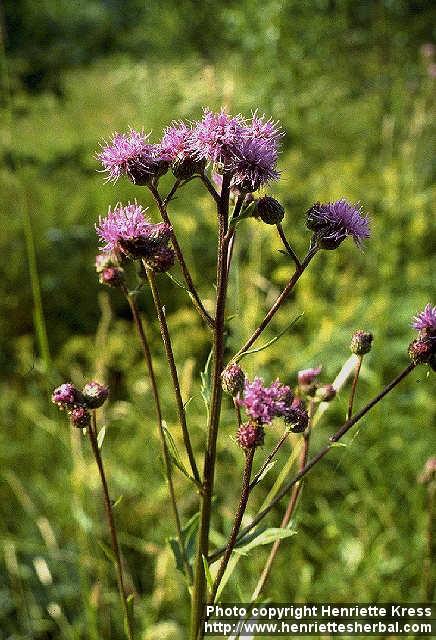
[
  {"x": 166, "y": 339},
  {"x": 154, "y": 388},
  {"x": 287, "y": 246},
  {"x": 161, "y": 204},
  {"x": 245, "y": 492},
  {"x": 209, "y": 186},
  {"x": 429, "y": 570},
  {"x": 268, "y": 459},
  {"x": 92, "y": 432},
  {"x": 311, "y": 463},
  {"x": 198, "y": 596},
  {"x": 354, "y": 387},
  {"x": 295, "y": 493},
  {"x": 278, "y": 303}
]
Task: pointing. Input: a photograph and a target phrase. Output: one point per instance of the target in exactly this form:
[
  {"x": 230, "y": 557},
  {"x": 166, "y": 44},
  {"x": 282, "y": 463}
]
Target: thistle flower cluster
[
  {"x": 79, "y": 403},
  {"x": 422, "y": 350},
  {"x": 262, "y": 403},
  {"x": 246, "y": 150},
  {"x": 125, "y": 231}
]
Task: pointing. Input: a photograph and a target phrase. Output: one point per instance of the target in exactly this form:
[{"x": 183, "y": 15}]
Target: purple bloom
[
  {"x": 80, "y": 417},
  {"x": 334, "y": 221},
  {"x": 65, "y": 396},
  {"x": 125, "y": 230},
  {"x": 176, "y": 141},
  {"x": 425, "y": 322},
  {"x": 265, "y": 403},
  {"x": 297, "y": 416},
  {"x": 262, "y": 129},
  {"x": 254, "y": 163},
  {"x": 95, "y": 394},
  {"x": 214, "y": 137},
  {"x": 250, "y": 435},
  {"x": 123, "y": 148}
]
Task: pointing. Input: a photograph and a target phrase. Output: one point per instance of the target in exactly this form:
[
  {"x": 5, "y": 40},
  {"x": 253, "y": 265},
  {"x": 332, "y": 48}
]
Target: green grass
[{"x": 361, "y": 521}]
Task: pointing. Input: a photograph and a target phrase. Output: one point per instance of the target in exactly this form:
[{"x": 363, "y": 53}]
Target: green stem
[
  {"x": 173, "y": 371},
  {"x": 354, "y": 387},
  {"x": 198, "y": 595},
  {"x": 168, "y": 467},
  {"x": 92, "y": 433}
]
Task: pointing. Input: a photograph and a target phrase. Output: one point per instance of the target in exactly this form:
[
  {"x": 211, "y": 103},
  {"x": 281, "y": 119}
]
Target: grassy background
[{"x": 351, "y": 87}]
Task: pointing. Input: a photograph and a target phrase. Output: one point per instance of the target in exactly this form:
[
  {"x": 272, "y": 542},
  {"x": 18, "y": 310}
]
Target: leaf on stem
[
  {"x": 268, "y": 468},
  {"x": 174, "y": 453},
  {"x": 206, "y": 382},
  {"x": 189, "y": 538},
  {"x": 100, "y": 437},
  {"x": 270, "y": 342},
  {"x": 207, "y": 573},
  {"x": 107, "y": 551}
]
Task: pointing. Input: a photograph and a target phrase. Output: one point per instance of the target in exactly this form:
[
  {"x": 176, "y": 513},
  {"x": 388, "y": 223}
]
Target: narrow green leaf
[
  {"x": 177, "y": 552},
  {"x": 208, "y": 574},
  {"x": 117, "y": 502},
  {"x": 268, "y": 468},
  {"x": 174, "y": 453},
  {"x": 267, "y": 536},
  {"x": 100, "y": 437},
  {"x": 272, "y": 341},
  {"x": 205, "y": 381},
  {"x": 337, "y": 444},
  {"x": 107, "y": 551}
]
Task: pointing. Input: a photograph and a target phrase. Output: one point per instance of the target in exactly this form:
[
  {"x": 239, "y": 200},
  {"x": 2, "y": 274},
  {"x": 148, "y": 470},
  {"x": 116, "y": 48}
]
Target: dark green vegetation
[{"x": 353, "y": 93}]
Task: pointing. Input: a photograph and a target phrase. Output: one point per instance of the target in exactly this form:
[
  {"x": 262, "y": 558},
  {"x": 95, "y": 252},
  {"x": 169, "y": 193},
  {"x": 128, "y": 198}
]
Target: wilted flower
[
  {"x": 307, "y": 376},
  {"x": 66, "y": 396},
  {"x": 325, "y": 393},
  {"x": 250, "y": 435},
  {"x": 361, "y": 342},
  {"x": 125, "y": 230},
  {"x": 95, "y": 394},
  {"x": 297, "y": 416},
  {"x": 334, "y": 221},
  {"x": 265, "y": 403},
  {"x": 232, "y": 379}
]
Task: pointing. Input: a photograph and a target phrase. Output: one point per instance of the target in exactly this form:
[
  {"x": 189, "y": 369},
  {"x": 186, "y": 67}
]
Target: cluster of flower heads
[
  {"x": 126, "y": 232},
  {"x": 422, "y": 350},
  {"x": 79, "y": 403},
  {"x": 245, "y": 149}
]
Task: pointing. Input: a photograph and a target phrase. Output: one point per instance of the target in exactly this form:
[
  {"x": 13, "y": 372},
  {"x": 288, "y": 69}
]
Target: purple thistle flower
[
  {"x": 334, "y": 221},
  {"x": 123, "y": 148},
  {"x": 176, "y": 141},
  {"x": 297, "y": 416},
  {"x": 250, "y": 435},
  {"x": 95, "y": 394},
  {"x": 80, "y": 417},
  {"x": 262, "y": 128},
  {"x": 125, "y": 230},
  {"x": 214, "y": 137},
  {"x": 65, "y": 396},
  {"x": 265, "y": 403},
  {"x": 425, "y": 322},
  {"x": 254, "y": 163}
]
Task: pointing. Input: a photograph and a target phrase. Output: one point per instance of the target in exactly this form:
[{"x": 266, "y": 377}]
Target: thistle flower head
[
  {"x": 233, "y": 379},
  {"x": 361, "y": 342},
  {"x": 263, "y": 128},
  {"x": 422, "y": 350},
  {"x": 80, "y": 417},
  {"x": 125, "y": 230},
  {"x": 425, "y": 322},
  {"x": 334, "y": 221},
  {"x": 325, "y": 393},
  {"x": 254, "y": 163},
  {"x": 66, "y": 396},
  {"x": 269, "y": 210},
  {"x": 122, "y": 149},
  {"x": 176, "y": 141},
  {"x": 265, "y": 403},
  {"x": 250, "y": 435},
  {"x": 297, "y": 416},
  {"x": 95, "y": 394},
  {"x": 162, "y": 259},
  {"x": 214, "y": 136}
]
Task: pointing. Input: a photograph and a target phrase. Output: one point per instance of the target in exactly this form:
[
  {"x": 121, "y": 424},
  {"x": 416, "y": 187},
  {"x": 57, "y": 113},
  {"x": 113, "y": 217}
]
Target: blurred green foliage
[{"x": 353, "y": 92}]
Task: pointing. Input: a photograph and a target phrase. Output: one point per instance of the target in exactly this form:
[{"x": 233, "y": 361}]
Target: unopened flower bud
[
  {"x": 269, "y": 210},
  {"x": 306, "y": 380},
  {"x": 250, "y": 435},
  {"x": 95, "y": 394},
  {"x": 361, "y": 342},
  {"x": 297, "y": 416},
  {"x": 142, "y": 170},
  {"x": 66, "y": 396},
  {"x": 325, "y": 393},
  {"x": 111, "y": 276},
  {"x": 80, "y": 417},
  {"x": 421, "y": 351},
  {"x": 162, "y": 259},
  {"x": 232, "y": 379}
]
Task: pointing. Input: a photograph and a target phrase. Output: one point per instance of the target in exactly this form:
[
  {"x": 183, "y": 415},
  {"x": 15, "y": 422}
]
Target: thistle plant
[{"x": 236, "y": 161}]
